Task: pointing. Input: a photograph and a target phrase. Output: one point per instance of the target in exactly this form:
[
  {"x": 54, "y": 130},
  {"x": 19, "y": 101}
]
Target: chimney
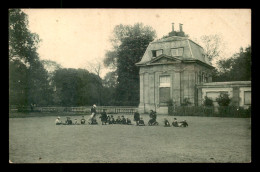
[
  {"x": 181, "y": 27},
  {"x": 172, "y": 27}
]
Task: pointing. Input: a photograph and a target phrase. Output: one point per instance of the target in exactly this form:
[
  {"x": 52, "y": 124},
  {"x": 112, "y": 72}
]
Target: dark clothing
[
  {"x": 82, "y": 121},
  {"x": 175, "y": 123},
  {"x": 128, "y": 121},
  {"x": 112, "y": 120},
  {"x": 123, "y": 121},
  {"x": 136, "y": 116},
  {"x": 93, "y": 110},
  {"x": 108, "y": 120},
  {"x": 118, "y": 121},
  {"x": 104, "y": 117},
  {"x": 153, "y": 115},
  {"x": 166, "y": 123},
  {"x": 69, "y": 121},
  {"x": 141, "y": 122},
  {"x": 184, "y": 124},
  {"x": 93, "y": 121}
]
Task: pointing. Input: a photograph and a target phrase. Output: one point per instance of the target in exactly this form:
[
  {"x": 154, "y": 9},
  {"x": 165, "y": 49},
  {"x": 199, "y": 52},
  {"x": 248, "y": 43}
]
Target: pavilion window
[
  {"x": 177, "y": 52},
  {"x": 156, "y": 53},
  {"x": 164, "y": 89},
  {"x": 247, "y": 97}
]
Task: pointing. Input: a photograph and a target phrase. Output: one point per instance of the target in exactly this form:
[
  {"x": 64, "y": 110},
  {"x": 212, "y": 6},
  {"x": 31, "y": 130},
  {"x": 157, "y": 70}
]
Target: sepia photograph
[{"x": 140, "y": 85}]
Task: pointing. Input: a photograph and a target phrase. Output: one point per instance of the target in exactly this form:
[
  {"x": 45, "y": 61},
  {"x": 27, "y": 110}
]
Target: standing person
[
  {"x": 93, "y": 112},
  {"x": 103, "y": 117},
  {"x": 137, "y": 117}
]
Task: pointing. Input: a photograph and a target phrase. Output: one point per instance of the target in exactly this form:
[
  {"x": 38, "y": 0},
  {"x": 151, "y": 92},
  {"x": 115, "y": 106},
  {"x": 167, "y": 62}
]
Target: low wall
[{"x": 83, "y": 109}]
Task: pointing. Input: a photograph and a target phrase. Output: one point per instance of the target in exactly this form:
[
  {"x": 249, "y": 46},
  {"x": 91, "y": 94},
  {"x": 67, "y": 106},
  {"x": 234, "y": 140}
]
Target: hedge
[{"x": 221, "y": 111}]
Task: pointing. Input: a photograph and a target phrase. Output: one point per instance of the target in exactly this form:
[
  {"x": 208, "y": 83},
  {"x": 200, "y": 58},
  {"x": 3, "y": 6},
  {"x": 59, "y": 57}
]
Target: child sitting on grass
[
  {"x": 123, "y": 121},
  {"x": 76, "y": 122},
  {"x": 68, "y": 121},
  {"x": 183, "y": 123},
  {"x": 118, "y": 120},
  {"x": 128, "y": 121},
  {"x": 82, "y": 121},
  {"x": 141, "y": 122},
  {"x": 58, "y": 121},
  {"x": 112, "y": 120},
  {"x": 175, "y": 122},
  {"x": 166, "y": 123}
]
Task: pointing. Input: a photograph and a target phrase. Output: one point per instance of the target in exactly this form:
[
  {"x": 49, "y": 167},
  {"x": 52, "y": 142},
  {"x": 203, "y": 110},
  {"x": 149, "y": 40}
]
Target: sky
[{"x": 76, "y": 37}]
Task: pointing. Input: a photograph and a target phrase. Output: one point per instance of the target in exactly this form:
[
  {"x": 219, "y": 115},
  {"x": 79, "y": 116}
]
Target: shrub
[
  {"x": 186, "y": 102},
  {"x": 208, "y": 101},
  {"x": 170, "y": 105},
  {"x": 208, "y": 111},
  {"x": 223, "y": 99}
]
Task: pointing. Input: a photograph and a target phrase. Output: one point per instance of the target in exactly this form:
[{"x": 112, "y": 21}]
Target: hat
[
  {"x": 58, "y": 117},
  {"x": 175, "y": 118},
  {"x": 94, "y": 105}
]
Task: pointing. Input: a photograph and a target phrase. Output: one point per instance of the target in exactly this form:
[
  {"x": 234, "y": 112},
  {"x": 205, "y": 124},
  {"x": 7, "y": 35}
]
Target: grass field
[{"x": 206, "y": 139}]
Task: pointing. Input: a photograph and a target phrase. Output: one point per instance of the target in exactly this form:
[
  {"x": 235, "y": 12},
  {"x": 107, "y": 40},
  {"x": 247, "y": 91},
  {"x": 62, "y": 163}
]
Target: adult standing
[
  {"x": 103, "y": 117},
  {"x": 93, "y": 114},
  {"x": 137, "y": 117}
]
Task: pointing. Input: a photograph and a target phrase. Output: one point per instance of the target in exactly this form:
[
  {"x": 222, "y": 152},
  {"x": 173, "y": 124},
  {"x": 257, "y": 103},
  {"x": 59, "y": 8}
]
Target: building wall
[
  {"x": 182, "y": 85},
  {"x": 236, "y": 91}
]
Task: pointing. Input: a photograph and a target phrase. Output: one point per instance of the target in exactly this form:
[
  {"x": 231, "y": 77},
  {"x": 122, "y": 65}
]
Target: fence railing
[{"x": 85, "y": 109}]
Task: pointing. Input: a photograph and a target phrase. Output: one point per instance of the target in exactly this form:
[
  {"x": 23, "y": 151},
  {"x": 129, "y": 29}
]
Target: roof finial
[{"x": 172, "y": 27}]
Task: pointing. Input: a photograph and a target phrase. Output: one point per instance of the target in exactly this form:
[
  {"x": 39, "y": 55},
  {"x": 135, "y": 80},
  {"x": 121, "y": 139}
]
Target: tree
[
  {"x": 76, "y": 87},
  {"x": 236, "y": 68},
  {"x": 212, "y": 45},
  {"x": 110, "y": 80},
  {"x": 22, "y": 43},
  {"x": 32, "y": 84},
  {"x": 129, "y": 44},
  {"x": 223, "y": 99}
]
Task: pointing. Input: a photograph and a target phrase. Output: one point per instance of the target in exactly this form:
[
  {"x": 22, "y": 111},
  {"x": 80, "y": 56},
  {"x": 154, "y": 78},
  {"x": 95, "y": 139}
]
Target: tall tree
[
  {"x": 129, "y": 44},
  {"x": 32, "y": 84},
  {"x": 212, "y": 45},
  {"x": 76, "y": 87},
  {"x": 236, "y": 68}
]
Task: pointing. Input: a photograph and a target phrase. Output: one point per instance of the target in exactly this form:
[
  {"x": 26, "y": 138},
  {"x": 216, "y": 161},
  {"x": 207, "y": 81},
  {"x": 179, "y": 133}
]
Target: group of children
[
  {"x": 69, "y": 121},
  {"x": 175, "y": 123},
  {"x": 106, "y": 119}
]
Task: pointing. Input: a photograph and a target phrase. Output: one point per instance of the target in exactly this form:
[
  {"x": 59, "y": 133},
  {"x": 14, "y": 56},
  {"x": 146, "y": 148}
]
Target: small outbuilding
[{"x": 177, "y": 69}]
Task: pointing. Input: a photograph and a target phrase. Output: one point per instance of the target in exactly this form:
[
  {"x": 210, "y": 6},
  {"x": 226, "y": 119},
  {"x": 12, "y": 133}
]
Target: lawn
[{"x": 206, "y": 139}]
